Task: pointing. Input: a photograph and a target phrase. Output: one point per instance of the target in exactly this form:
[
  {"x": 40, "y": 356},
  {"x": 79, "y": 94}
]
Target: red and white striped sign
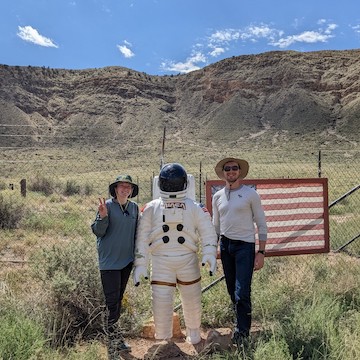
[{"x": 296, "y": 213}]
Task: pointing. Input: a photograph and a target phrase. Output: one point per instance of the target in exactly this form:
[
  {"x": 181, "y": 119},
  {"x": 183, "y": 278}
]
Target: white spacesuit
[{"x": 169, "y": 231}]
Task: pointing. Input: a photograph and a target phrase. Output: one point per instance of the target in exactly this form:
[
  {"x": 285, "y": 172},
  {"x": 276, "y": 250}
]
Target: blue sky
[{"x": 161, "y": 37}]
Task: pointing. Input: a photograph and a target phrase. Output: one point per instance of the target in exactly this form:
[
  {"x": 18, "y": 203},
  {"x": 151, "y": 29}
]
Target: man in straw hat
[
  {"x": 115, "y": 227},
  {"x": 235, "y": 209}
]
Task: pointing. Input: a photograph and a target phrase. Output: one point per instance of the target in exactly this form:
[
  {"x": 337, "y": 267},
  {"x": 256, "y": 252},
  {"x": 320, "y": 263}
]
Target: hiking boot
[
  {"x": 240, "y": 340},
  {"x": 122, "y": 345},
  {"x": 117, "y": 345}
]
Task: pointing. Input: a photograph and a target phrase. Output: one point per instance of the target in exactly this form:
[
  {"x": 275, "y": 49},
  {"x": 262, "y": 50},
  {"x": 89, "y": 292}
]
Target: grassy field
[{"x": 50, "y": 297}]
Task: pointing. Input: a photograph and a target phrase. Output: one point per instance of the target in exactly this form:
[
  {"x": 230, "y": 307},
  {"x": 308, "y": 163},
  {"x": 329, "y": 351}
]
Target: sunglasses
[{"x": 233, "y": 168}]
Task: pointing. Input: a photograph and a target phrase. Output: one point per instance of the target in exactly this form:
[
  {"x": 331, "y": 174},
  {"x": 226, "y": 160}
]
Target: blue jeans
[{"x": 238, "y": 258}]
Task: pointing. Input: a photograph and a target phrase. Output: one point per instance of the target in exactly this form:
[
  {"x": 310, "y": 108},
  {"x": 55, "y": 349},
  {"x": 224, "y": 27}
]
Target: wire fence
[{"x": 50, "y": 199}]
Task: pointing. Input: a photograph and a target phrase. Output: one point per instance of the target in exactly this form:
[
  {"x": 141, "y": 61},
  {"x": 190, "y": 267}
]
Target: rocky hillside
[{"x": 267, "y": 99}]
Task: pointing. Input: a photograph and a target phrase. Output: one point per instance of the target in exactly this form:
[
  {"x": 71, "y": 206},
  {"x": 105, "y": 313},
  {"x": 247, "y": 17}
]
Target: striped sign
[{"x": 296, "y": 213}]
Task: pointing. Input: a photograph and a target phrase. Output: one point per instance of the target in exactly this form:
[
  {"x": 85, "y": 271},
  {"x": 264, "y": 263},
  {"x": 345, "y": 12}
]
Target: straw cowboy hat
[
  {"x": 124, "y": 179},
  {"x": 243, "y": 164}
]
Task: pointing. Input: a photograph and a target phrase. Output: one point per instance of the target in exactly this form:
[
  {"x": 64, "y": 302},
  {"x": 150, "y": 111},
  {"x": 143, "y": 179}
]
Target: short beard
[{"x": 233, "y": 181}]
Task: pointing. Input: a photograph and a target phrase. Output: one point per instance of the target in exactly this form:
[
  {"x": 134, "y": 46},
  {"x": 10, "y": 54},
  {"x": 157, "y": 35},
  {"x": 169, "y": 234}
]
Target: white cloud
[
  {"x": 305, "y": 37},
  {"x": 217, "y": 51},
  {"x": 221, "y": 41},
  {"x": 309, "y": 37},
  {"x": 250, "y": 33},
  {"x": 356, "y": 28},
  {"x": 28, "y": 33},
  {"x": 263, "y": 31},
  {"x": 330, "y": 28},
  {"x": 321, "y": 21},
  {"x": 254, "y": 33},
  {"x": 223, "y": 36},
  {"x": 125, "y": 50},
  {"x": 323, "y": 34},
  {"x": 187, "y": 66},
  {"x": 218, "y": 43}
]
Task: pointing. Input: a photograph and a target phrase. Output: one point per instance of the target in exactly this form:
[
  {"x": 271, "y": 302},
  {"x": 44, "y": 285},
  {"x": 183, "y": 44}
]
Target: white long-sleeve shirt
[{"x": 236, "y": 211}]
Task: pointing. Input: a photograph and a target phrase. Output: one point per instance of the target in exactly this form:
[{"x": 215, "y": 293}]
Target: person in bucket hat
[
  {"x": 124, "y": 179},
  {"x": 236, "y": 208},
  {"x": 115, "y": 228}
]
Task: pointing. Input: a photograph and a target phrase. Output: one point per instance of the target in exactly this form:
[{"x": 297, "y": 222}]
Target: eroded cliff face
[{"x": 237, "y": 99}]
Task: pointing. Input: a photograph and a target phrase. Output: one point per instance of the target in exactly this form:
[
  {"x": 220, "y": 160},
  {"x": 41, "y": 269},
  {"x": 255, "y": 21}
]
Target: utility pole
[{"x": 162, "y": 149}]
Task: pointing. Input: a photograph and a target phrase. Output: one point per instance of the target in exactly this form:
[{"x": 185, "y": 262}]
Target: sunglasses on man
[{"x": 233, "y": 168}]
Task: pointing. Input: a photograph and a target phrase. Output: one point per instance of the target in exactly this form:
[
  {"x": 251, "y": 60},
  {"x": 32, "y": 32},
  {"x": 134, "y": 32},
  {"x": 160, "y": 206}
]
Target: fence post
[
  {"x": 200, "y": 180},
  {"x": 319, "y": 164},
  {"x": 23, "y": 187}
]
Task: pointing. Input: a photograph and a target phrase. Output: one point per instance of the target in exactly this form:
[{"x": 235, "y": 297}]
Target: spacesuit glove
[
  {"x": 211, "y": 260},
  {"x": 139, "y": 272}
]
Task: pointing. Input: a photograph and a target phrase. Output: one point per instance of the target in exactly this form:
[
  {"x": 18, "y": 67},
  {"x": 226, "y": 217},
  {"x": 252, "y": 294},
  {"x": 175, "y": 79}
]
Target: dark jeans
[
  {"x": 238, "y": 258},
  {"x": 114, "y": 283}
]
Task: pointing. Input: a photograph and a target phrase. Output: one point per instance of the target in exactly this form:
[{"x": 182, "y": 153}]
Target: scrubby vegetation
[{"x": 51, "y": 303}]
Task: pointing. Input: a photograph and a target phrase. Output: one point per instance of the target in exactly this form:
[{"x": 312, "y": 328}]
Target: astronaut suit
[{"x": 170, "y": 230}]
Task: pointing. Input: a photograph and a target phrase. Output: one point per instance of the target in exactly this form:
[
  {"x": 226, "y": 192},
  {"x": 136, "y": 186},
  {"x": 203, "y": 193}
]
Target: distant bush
[
  {"x": 42, "y": 184},
  {"x": 71, "y": 188},
  {"x": 11, "y": 212},
  {"x": 2, "y": 185},
  {"x": 88, "y": 189}
]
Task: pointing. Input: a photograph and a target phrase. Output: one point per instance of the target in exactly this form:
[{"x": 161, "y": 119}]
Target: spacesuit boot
[{"x": 193, "y": 336}]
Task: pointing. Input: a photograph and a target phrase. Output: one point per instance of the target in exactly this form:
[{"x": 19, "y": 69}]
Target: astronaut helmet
[{"x": 173, "y": 180}]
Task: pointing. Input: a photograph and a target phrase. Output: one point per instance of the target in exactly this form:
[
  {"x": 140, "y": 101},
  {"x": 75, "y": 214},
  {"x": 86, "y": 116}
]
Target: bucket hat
[
  {"x": 124, "y": 179},
  {"x": 243, "y": 164}
]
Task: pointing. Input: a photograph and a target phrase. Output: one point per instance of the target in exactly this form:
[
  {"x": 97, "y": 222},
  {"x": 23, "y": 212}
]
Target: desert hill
[{"x": 268, "y": 99}]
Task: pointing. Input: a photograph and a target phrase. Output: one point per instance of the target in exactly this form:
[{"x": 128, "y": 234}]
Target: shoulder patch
[
  {"x": 143, "y": 208},
  {"x": 203, "y": 207}
]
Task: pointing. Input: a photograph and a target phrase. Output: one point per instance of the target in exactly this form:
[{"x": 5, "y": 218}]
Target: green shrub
[
  {"x": 20, "y": 337},
  {"x": 12, "y": 211},
  {"x": 42, "y": 184},
  {"x": 71, "y": 278},
  {"x": 71, "y": 188}
]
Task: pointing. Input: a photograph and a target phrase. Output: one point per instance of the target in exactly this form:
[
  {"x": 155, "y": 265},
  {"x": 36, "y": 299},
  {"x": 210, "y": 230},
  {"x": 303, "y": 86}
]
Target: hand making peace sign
[{"x": 102, "y": 208}]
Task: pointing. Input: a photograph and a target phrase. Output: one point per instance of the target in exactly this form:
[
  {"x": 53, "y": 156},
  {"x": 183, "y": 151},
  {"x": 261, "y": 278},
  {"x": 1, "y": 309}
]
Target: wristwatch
[{"x": 261, "y": 252}]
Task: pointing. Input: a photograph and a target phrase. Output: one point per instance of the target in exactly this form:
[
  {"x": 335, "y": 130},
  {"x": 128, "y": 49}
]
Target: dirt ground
[{"x": 177, "y": 348}]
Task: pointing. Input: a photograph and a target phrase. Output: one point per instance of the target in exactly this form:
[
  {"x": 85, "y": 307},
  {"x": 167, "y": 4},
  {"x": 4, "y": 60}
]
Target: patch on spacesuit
[
  {"x": 175, "y": 205},
  {"x": 143, "y": 208},
  {"x": 204, "y": 209}
]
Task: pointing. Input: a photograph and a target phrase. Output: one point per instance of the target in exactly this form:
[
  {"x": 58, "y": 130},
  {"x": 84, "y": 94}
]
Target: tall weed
[{"x": 21, "y": 338}]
